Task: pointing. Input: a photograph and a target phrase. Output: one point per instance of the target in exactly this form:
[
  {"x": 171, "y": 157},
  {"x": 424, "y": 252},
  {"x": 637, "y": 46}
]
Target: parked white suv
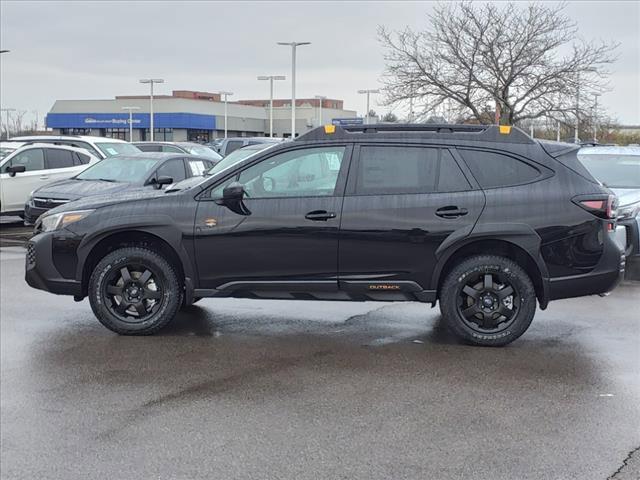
[
  {"x": 101, "y": 147},
  {"x": 25, "y": 167}
]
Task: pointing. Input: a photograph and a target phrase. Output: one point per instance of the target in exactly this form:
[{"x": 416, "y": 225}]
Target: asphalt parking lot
[{"x": 297, "y": 390}]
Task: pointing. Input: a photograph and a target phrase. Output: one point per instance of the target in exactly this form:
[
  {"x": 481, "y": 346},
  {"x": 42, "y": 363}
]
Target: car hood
[
  {"x": 626, "y": 196},
  {"x": 72, "y": 189},
  {"x": 97, "y": 201}
]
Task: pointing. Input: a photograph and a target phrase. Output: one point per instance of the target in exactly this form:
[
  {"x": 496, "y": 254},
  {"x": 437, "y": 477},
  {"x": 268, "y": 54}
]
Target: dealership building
[{"x": 189, "y": 116}]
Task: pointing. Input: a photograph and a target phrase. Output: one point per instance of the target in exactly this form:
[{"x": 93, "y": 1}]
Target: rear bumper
[
  {"x": 602, "y": 279},
  {"x": 40, "y": 271}
]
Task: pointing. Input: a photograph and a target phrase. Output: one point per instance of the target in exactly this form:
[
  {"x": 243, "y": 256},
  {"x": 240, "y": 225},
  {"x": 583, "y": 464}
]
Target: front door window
[{"x": 298, "y": 173}]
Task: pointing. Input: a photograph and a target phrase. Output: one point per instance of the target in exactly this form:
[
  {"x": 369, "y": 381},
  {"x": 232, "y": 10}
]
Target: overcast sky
[{"x": 86, "y": 50}]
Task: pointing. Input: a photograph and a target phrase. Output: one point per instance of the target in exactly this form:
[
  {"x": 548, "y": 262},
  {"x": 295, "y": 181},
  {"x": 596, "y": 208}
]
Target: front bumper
[
  {"x": 606, "y": 276},
  {"x": 41, "y": 271},
  {"x": 31, "y": 213}
]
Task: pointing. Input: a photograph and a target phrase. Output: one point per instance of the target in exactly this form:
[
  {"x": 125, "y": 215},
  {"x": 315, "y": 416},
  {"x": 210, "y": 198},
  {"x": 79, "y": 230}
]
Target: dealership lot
[{"x": 281, "y": 389}]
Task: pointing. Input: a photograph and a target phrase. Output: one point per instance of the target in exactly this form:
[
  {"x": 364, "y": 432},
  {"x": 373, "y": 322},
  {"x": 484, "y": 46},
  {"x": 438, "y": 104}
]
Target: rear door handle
[
  {"x": 451, "y": 211},
  {"x": 320, "y": 215},
  {"x": 44, "y": 177}
]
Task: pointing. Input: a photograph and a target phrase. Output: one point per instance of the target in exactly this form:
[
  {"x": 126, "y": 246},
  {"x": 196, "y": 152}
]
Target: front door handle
[
  {"x": 451, "y": 211},
  {"x": 44, "y": 177},
  {"x": 320, "y": 215}
]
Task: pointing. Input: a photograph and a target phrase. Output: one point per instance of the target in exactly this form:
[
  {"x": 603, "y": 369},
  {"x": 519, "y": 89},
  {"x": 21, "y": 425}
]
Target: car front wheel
[
  {"x": 488, "y": 300},
  {"x": 134, "y": 291}
]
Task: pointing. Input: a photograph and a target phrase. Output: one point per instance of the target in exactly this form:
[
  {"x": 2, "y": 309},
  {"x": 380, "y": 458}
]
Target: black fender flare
[
  {"x": 161, "y": 226},
  {"x": 519, "y": 234}
]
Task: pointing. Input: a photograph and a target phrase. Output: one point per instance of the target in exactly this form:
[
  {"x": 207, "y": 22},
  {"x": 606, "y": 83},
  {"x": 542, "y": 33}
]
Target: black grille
[
  {"x": 48, "y": 203},
  {"x": 31, "y": 254}
]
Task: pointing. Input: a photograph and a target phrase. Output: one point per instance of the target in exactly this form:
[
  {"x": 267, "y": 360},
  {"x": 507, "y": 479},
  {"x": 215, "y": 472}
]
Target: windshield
[
  {"x": 4, "y": 151},
  {"x": 615, "y": 171},
  {"x": 120, "y": 169},
  {"x": 112, "y": 149},
  {"x": 237, "y": 156},
  {"x": 202, "y": 152}
]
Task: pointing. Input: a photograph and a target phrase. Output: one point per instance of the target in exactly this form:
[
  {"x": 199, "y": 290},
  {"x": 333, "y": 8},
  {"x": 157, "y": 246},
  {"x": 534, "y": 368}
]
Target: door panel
[
  {"x": 390, "y": 238},
  {"x": 291, "y": 232},
  {"x": 275, "y": 243},
  {"x": 16, "y": 189}
]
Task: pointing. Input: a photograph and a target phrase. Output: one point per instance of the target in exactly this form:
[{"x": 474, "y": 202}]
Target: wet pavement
[
  {"x": 314, "y": 390},
  {"x": 13, "y": 232}
]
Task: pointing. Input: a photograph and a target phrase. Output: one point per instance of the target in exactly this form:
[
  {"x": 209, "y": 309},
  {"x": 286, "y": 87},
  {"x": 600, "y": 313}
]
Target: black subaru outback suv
[{"x": 485, "y": 220}]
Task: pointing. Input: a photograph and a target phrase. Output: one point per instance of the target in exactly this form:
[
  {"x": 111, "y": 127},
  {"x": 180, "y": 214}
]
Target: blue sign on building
[
  {"x": 347, "y": 122},
  {"x": 140, "y": 120}
]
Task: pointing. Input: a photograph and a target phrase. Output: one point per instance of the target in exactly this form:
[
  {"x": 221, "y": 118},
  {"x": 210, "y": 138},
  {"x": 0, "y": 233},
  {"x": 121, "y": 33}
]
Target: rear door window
[
  {"x": 58, "y": 158},
  {"x": 396, "y": 170},
  {"x": 493, "y": 170},
  {"x": 450, "y": 177}
]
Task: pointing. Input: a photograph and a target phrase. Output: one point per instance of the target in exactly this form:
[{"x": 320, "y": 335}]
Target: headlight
[
  {"x": 49, "y": 223},
  {"x": 30, "y": 196},
  {"x": 631, "y": 210}
]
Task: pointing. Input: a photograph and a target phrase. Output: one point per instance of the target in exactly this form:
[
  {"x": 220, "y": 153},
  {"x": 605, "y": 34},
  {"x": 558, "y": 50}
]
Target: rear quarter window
[{"x": 493, "y": 170}]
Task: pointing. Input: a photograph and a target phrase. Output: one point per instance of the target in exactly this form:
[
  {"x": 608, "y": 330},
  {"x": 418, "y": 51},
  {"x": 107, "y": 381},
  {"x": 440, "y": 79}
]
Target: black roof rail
[{"x": 486, "y": 133}]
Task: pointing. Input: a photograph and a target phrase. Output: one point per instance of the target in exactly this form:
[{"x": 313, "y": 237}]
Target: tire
[
  {"x": 488, "y": 300},
  {"x": 134, "y": 291}
]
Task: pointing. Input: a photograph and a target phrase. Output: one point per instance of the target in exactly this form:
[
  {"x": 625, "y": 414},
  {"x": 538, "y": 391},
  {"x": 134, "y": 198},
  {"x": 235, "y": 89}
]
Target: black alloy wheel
[
  {"x": 487, "y": 300},
  {"x": 133, "y": 292}
]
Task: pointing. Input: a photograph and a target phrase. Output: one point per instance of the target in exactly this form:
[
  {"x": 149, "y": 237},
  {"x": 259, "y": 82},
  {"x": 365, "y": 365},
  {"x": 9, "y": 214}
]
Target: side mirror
[
  {"x": 233, "y": 191},
  {"x": 232, "y": 197},
  {"x": 13, "y": 169},
  {"x": 160, "y": 181}
]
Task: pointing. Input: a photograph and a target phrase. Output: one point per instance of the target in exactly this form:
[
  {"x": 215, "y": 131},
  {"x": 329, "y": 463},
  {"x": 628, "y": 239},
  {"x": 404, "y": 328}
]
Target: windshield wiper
[{"x": 106, "y": 180}]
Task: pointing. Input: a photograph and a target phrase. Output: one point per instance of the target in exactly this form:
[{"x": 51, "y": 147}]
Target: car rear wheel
[
  {"x": 488, "y": 300},
  {"x": 134, "y": 291}
]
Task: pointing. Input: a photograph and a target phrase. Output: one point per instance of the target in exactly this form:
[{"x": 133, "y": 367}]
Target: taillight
[{"x": 601, "y": 205}]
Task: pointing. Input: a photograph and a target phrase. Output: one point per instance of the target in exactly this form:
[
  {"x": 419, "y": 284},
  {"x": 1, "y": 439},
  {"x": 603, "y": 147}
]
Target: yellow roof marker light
[
  {"x": 505, "y": 129},
  {"x": 329, "y": 129}
]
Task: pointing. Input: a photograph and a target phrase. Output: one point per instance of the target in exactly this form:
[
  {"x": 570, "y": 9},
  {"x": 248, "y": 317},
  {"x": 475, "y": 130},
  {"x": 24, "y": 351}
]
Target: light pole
[
  {"x": 271, "y": 78},
  {"x": 6, "y": 111},
  {"x": 151, "y": 81},
  {"x": 575, "y": 132},
  {"x": 36, "y": 113},
  {"x": 131, "y": 109},
  {"x": 368, "y": 92},
  {"x": 226, "y": 94},
  {"x": 293, "y": 46},
  {"x": 320, "y": 98},
  {"x": 595, "y": 118}
]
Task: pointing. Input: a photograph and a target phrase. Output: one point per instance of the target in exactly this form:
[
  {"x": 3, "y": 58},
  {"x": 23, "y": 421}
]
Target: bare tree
[
  {"x": 526, "y": 62},
  {"x": 17, "y": 120}
]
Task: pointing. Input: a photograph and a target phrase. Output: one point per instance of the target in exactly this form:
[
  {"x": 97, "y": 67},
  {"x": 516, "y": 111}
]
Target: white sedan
[{"x": 23, "y": 168}]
